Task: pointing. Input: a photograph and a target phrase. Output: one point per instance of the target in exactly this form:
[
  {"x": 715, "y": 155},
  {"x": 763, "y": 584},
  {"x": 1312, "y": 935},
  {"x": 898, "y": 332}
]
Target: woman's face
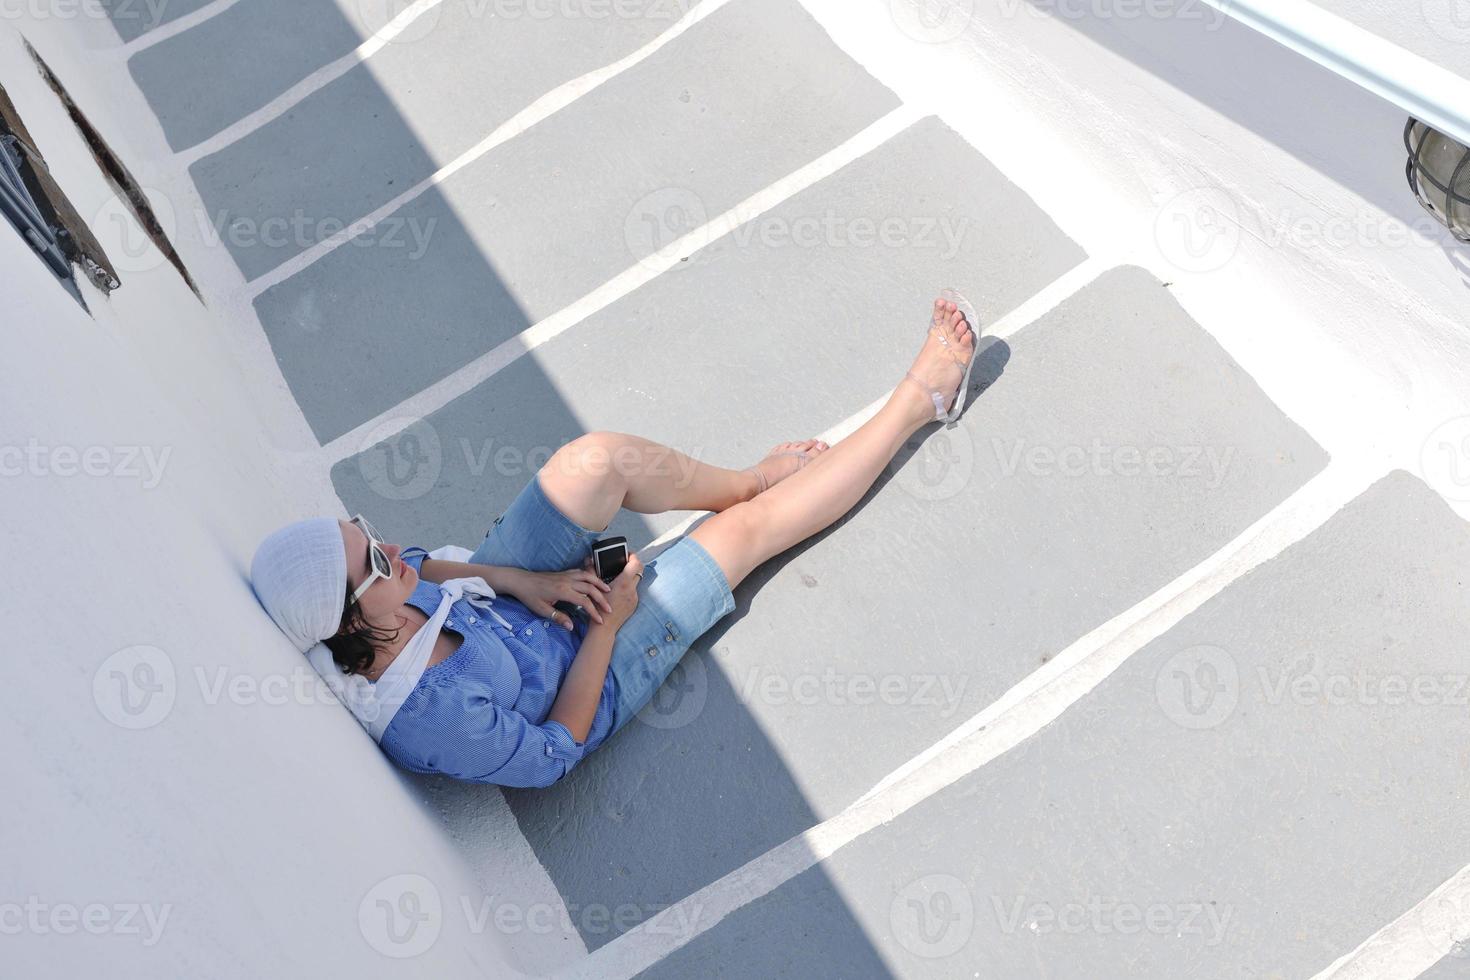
[{"x": 384, "y": 597}]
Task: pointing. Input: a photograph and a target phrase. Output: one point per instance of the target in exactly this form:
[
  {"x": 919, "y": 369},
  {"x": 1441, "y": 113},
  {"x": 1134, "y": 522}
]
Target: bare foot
[
  {"x": 940, "y": 368},
  {"x": 784, "y": 460}
]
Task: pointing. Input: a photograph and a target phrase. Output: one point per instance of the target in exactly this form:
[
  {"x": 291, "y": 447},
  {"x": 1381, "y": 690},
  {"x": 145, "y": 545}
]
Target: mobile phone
[{"x": 609, "y": 556}]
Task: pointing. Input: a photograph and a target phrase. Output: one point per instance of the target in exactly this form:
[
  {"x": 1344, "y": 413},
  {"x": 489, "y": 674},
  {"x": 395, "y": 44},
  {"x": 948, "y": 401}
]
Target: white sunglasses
[{"x": 382, "y": 566}]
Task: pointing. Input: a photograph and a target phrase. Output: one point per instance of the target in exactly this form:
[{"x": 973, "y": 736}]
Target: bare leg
[
  {"x": 593, "y": 476},
  {"x": 745, "y": 535}
]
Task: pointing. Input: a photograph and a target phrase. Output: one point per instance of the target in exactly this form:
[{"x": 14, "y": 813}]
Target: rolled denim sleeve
[
  {"x": 414, "y": 556},
  {"x": 510, "y": 751},
  {"x": 486, "y": 744}
]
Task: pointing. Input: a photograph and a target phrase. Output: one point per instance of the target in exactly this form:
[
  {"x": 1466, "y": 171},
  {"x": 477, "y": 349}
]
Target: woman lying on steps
[{"x": 468, "y": 669}]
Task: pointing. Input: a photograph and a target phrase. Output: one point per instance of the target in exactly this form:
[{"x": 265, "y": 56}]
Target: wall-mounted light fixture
[{"x": 1439, "y": 176}]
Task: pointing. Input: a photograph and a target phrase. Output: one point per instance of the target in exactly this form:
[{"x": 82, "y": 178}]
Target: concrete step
[
  {"x": 809, "y": 332},
  {"x": 741, "y": 100},
  {"x": 134, "y": 18},
  {"x": 207, "y": 77},
  {"x": 1046, "y": 477},
  {"x": 1252, "y": 794},
  {"x": 355, "y": 144},
  {"x": 1453, "y": 966}
]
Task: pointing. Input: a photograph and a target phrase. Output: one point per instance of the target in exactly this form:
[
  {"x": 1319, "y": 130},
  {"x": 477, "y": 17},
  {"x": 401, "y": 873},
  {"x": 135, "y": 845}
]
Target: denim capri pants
[{"x": 681, "y": 595}]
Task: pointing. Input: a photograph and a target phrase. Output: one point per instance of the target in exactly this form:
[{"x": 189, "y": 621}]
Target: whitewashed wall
[
  {"x": 1329, "y": 283},
  {"x": 178, "y": 800}
]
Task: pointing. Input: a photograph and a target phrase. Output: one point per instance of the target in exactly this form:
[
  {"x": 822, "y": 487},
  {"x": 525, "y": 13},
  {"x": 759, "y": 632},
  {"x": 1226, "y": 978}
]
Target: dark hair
[{"x": 353, "y": 648}]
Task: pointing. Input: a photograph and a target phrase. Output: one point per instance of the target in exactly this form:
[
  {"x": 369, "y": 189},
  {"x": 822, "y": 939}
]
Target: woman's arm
[
  {"x": 499, "y": 579},
  {"x": 537, "y": 591},
  {"x": 581, "y": 690},
  {"x": 576, "y": 702}
]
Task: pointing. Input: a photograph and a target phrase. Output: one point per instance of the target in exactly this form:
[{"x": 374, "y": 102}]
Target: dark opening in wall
[
  {"x": 34, "y": 204},
  {"x": 129, "y": 191}
]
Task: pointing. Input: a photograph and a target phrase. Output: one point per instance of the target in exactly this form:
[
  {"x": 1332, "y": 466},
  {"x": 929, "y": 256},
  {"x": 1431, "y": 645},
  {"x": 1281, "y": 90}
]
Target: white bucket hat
[{"x": 299, "y": 574}]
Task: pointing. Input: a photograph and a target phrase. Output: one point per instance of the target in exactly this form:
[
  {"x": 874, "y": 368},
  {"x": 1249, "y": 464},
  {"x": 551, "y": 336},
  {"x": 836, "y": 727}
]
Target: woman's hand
[
  {"x": 540, "y": 591},
  {"x": 623, "y": 597}
]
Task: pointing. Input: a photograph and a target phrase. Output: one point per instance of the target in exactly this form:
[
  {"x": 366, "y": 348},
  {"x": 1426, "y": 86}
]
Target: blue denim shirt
[{"x": 481, "y": 714}]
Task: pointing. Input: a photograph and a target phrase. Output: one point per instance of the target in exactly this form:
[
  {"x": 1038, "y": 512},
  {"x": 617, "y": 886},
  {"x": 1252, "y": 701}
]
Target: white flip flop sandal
[{"x": 965, "y": 307}]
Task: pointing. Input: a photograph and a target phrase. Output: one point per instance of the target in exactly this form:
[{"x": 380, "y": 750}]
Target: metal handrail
[{"x": 1426, "y": 91}]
